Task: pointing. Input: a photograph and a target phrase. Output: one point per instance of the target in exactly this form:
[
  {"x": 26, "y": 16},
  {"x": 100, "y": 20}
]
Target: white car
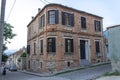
[{"x": 13, "y": 68}]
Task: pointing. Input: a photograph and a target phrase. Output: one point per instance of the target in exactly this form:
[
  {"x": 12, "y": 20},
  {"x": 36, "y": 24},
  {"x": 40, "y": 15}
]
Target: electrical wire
[
  {"x": 11, "y": 10},
  {"x": 42, "y": 1},
  {"x": 46, "y": 1}
]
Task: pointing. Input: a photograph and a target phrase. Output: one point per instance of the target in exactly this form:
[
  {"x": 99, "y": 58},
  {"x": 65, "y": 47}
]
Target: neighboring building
[
  {"x": 114, "y": 46},
  {"x": 16, "y": 59},
  {"x": 60, "y": 37}
]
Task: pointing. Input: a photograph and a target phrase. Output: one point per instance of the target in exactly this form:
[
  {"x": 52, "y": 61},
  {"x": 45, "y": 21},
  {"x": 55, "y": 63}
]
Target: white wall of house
[{"x": 114, "y": 46}]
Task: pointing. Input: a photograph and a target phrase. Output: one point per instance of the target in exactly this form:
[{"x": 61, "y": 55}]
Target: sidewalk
[
  {"x": 49, "y": 78},
  {"x": 109, "y": 78},
  {"x": 62, "y": 71}
]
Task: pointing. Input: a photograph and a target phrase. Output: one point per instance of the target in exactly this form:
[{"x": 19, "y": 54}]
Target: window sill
[
  {"x": 69, "y": 53},
  {"x": 51, "y": 52}
]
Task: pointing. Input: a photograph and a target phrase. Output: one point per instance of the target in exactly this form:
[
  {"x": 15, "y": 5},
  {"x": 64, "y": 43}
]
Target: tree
[
  {"x": 4, "y": 57},
  {"x": 23, "y": 54},
  {"x": 7, "y": 35}
]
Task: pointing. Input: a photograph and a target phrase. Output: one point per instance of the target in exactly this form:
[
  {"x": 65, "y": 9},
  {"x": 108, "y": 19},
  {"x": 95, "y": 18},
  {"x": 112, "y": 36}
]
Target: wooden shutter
[
  {"x": 56, "y": 17},
  {"x": 83, "y": 22},
  {"x": 63, "y": 18},
  {"x": 41, "y": 46},
  {"x": 95, "y": 25},
  {"x": 66, "y": 45},
  {"x": 99, "y": 25},
  {"x": 72, "y": 19},
  {"x": 43, "y": 20},
  {"x": 97, "y": 46},
  {"x": 72, "y": 46},
  {"x": 28, "y": 49},
  {"x": 47, "y": 17},
  {"x": 34, "y": 48},
  {"x": 47, "y": 44},
  {"x": 53, "y": 44}
]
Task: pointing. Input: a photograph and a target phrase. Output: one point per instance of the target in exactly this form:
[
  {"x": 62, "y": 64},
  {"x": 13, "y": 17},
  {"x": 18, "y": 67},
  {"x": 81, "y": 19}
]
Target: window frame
[
  {"x": 34, "y": 51},
  {"x": 83, "y": 23},
  {"x": 42, "y": 21},
  {"x": 51, "y": 44},
  {"x": 97, "y": 25},
  {"x": 52, "y": 18},
  {"x": 67, "y": 19},
  {"x": 41, "y": 46},
  {"x": 69, "y": 46}
]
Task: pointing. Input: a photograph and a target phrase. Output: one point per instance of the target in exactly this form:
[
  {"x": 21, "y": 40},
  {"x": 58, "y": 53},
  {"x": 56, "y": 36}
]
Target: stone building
[
  {"x": 60, "y": 37},
  {"x": 17, "y": 60}
]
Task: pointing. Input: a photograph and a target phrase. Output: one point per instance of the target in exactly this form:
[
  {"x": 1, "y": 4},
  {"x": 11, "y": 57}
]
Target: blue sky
[{"x": 24, "y": 9}]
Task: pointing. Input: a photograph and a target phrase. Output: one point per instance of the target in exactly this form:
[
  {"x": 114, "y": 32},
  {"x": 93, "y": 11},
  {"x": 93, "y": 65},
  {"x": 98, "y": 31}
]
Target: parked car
[{"x": 13, "y": 68}]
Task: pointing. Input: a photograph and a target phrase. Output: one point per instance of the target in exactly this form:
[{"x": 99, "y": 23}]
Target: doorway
[{"x": 84, "y": 52}]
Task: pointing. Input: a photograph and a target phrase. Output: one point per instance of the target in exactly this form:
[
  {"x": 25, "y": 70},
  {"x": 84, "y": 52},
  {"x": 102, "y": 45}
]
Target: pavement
[
  {"x": 84, "y": 74},
  {"x": 49, "y": 78},
  {"x": 109, "y": 78}
]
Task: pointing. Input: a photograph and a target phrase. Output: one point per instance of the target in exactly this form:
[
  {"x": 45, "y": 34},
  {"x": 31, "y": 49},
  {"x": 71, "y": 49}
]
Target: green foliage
[
  {"x": 116, "y": 73},
  {"x": 7, "y": 35},
  {"x": 23, "y": 54},
  {"x": 4, "y": 57}
]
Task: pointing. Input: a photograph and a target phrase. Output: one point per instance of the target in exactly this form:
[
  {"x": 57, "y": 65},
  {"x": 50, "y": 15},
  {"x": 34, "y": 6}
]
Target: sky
[{"x": 20, "y": 15}]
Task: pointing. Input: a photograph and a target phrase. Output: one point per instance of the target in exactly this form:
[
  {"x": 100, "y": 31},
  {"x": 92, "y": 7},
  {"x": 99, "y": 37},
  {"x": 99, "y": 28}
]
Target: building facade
[
  {"x": 114, "y": 46},
  {"x": 60, "y": 37},
  {"x": 17, "y": 60}
]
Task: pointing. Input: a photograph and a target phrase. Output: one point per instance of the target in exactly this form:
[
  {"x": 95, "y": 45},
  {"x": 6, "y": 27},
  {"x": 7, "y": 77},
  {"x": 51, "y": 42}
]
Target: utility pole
[{"x": 2, "y": 14}]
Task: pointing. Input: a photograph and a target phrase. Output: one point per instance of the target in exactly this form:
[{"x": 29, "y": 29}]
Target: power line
[
  {"x": 42, "y": 1},
  {"x": 10, "y": 11},
  {"x": 46, "y": 1}
]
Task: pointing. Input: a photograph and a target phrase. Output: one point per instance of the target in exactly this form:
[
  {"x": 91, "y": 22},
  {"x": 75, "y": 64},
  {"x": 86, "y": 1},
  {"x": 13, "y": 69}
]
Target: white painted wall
[{"x": 114, "y": 47}]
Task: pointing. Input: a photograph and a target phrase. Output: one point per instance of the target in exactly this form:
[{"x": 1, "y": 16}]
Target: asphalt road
[
  {"x": 85, "y": 74},
  {"x": 16, "y": 76}
]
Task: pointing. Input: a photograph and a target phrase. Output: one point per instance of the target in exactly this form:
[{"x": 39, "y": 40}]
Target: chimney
[
  {"x": 39, "y": 9},
  {"x": 32, "y": 17}
]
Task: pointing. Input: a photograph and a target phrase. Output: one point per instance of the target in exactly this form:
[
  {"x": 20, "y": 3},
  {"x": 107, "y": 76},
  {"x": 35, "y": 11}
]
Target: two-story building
[{"x": 60, "y": 37}]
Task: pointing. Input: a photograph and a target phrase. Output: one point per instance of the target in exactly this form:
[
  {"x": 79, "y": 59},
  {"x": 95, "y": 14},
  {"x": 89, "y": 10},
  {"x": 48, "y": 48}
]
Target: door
[
  {"x": 84, "y": 52},
  {"x": 82, "y": 49}
]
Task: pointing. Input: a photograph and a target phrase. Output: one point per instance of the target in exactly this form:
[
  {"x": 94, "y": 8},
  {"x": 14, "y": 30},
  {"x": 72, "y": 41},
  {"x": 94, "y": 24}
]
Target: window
[
  {"x": 41, "y": 46},
  {"x": 97, "y": 47},
  {"x": 28, "y": 49},
  {"x": 69, "y": 45},
  {"x": 83, "y": 22},
  {"x": 34, "y": 28},
  {"x": 97, "y": 25},
  {"x": 52, "y": 17},
  {"x": 41, "y": 65},
  {"x": 51, "y": 44},
  {"x": 42, "y": 18},
  {"x": 34, "y": 48},
  {"x": 67, "y": 19}
]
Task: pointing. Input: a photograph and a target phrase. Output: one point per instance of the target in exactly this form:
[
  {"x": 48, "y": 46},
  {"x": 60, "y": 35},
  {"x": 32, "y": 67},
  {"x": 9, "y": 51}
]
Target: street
[
  {"x": 85, "y": 74},
  {"x": 16, "y": 76}
]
